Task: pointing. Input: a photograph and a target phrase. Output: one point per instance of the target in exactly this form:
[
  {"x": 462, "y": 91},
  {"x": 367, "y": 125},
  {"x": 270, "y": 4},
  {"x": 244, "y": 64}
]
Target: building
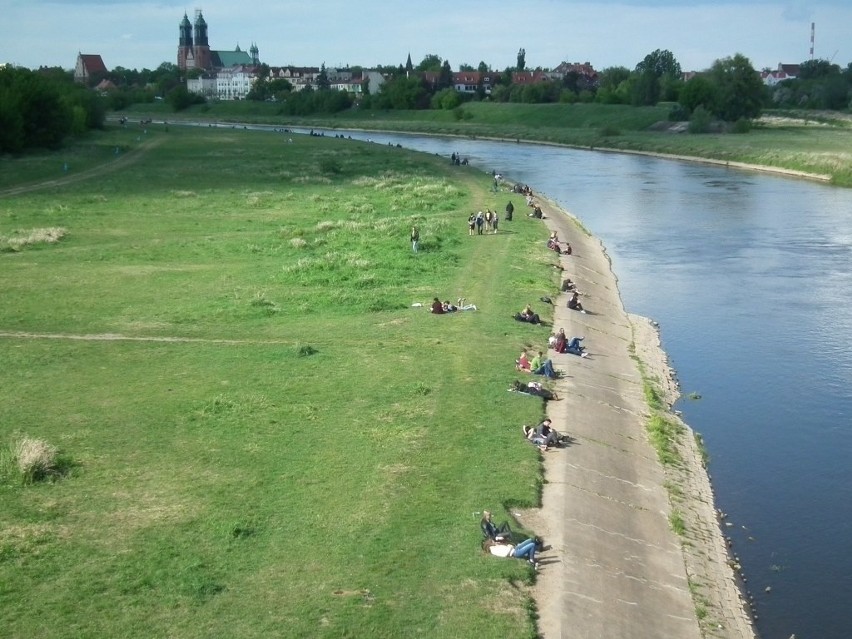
[
  {"x": 88, "y": 65},
  {"x": 194, "y": 50},
  {"x": 783, "y": 72}
]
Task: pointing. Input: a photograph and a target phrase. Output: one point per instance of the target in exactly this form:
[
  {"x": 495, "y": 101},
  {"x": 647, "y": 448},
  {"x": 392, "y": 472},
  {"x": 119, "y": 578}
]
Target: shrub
[
  {"x": 700, "y": 120},
  {"x": 743, "y": 125},
  {"x": 32, "y": 459},
  {"x": 609, "y": 131}
]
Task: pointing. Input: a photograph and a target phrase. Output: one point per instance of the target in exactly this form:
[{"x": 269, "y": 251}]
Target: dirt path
[
  {"x": 616, "y": 568},
  {"x": 116, "y": 337},
  {"x": 122, "y": 162}
]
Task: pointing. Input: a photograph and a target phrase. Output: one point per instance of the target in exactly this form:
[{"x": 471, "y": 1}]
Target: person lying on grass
[
  {"x": 461, "y": 306},
  {"x": 524, "y": 550},
  {"x": 533, "y": 388}
]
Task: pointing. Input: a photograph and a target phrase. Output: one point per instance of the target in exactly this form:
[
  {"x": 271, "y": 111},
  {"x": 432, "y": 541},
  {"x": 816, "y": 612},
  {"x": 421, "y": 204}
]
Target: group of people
[
  {"x": 538, "y": 365},
  {"x": 544, "y": 436},
  {"x": 554, "y": 244},
  {"x": 528, "y": 315},
  {"x": 488, "y": 220},
  {"x": 561, "y": 344},
  {"x": 498, "y": 541},
  {"x": 439, "y": 307}
]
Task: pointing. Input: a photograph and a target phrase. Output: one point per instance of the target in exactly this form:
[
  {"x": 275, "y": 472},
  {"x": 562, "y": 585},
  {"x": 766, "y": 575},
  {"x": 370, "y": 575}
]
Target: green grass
[
  {"x": 267, "y": 439},
  {"x": 813, "y": 142},
  {"x": 677, "y": 523}
]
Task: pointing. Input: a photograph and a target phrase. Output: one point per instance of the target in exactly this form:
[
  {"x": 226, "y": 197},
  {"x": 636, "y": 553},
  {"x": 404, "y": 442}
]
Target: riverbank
[{"x": 609, "y": 506}]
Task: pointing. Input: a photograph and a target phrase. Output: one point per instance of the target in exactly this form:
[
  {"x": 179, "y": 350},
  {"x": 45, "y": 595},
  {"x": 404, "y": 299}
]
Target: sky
[{"x": 138, "y": 34}]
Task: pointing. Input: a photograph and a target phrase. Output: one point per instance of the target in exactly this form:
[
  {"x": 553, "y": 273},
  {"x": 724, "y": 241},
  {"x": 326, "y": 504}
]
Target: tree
[
  {"x": 814, "y": 69},
  {"x": 322, "y": 79},
  {"x": 445, "y": 78},
  {"x": 613, "y": 85},
  {"x": 656, "y": 78},
  {"x": 466, "y": 67},
  {"x": 698, "y": 91},
  {"x": 483, "y": 68},
  {"x": 430, "y": 62},
  {"x": 522, "y": 59},
  {"x": 740, "y": 93}
]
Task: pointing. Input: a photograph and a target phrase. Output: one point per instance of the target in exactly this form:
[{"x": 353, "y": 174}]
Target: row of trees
[{"x": 39, "y": 109}]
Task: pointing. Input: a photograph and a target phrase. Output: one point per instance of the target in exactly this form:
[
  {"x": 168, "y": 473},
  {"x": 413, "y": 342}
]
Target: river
[{"x": 750, "y": 278}]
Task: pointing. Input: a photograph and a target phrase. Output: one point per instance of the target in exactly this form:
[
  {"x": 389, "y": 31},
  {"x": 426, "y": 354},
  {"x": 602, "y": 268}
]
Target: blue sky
[{"x": 143, "y": 33}]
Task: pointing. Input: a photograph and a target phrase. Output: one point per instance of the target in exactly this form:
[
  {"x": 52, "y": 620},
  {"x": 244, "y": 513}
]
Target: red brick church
[{"x": 194, "y": 50}]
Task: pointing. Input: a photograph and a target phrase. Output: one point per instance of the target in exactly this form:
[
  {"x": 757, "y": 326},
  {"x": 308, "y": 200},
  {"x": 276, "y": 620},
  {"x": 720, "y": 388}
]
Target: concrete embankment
[{"x": 617, "y": 569}]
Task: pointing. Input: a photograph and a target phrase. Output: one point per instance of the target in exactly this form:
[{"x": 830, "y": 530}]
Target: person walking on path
[
  {"x": 415, "y": 238},
  {"x": 494, "y": 222},
  {"x": 479, "y": 222}
]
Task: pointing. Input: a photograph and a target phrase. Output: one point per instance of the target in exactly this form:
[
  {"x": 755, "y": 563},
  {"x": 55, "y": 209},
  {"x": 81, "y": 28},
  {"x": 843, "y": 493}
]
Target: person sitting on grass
[
  {"x": 523, "y": 363},
  {"x": 491, "y": 530},
  {"x": 527, "y": 315},
  {"x": 524, "y": 550},
  {"x": 437, "y": 307},
  {"x": 541, "y": 366}
]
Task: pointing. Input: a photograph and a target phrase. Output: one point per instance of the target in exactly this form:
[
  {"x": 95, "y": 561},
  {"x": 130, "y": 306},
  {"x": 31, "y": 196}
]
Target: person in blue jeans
[
  {"x": 546, "y": 369},
  {"x": 524, "y": 550}
]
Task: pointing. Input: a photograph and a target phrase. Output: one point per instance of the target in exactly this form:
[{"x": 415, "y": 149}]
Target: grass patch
[
  {"x": 664, "y": 434},
  {"x": 21, "y": 239},
  {"x": 677, "y": 523}
]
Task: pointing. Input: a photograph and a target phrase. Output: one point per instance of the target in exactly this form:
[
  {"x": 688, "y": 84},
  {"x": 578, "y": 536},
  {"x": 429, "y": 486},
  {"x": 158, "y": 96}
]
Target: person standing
[
  {"x": 471, "y": 224},
  {"x": 479, "y": 222},
  {"x": 415, "y": 238},
  {"x": 510, "y": 208},
  {"x": 494, "y": 222}
]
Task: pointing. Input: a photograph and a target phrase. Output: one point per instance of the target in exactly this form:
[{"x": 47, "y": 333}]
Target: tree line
[{"x": 40, "y": 109}]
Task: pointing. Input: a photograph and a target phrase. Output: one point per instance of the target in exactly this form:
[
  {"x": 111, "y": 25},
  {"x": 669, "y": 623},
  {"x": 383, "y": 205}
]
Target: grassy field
[
  {"x": 817, "y": 143},
  {"x": 260, "y": 436}
]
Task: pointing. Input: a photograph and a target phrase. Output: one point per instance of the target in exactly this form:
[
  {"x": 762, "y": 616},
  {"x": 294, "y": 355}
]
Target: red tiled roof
[{"x": 93, "y": 63}]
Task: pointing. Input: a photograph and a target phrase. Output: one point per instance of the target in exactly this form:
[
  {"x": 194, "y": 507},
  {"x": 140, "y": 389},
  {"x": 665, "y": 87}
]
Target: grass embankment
[
  {"x": 810, "y": 142},
  {"x": 261, "y": 436}
]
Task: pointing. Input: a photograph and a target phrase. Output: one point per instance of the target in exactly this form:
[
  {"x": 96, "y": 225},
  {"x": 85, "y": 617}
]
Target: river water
[{"x": 750, "y": 278}]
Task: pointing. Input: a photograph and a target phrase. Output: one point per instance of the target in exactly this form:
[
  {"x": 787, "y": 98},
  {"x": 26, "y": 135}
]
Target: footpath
[{"x": 616, "y": 569}]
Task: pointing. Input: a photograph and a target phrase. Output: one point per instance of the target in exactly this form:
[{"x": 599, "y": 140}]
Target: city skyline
[{"x": 608, "y": 33}]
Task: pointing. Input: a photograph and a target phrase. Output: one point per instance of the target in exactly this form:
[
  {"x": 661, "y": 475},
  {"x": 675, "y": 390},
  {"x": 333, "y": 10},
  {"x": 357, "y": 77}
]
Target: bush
[
  {"x": 31, "y": 459},
  {"x": 609, "y": 131},
  {"x": 700, "y": 120},
  {"x": 743, "y": 125}
]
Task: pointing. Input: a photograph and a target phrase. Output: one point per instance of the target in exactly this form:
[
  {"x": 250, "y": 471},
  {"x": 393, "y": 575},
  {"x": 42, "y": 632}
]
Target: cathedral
[{"x": 194, "y": 50}]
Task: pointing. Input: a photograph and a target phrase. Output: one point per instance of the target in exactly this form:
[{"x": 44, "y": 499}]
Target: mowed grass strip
[{"x": 320, "y": 475}]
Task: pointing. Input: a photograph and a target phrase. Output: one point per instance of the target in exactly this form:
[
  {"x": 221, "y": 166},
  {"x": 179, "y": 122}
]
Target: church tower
[
  {"x": 255, "y": 54},
  {"x": 203, "y": 59},
  {"x": 185, "y": 58}
]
